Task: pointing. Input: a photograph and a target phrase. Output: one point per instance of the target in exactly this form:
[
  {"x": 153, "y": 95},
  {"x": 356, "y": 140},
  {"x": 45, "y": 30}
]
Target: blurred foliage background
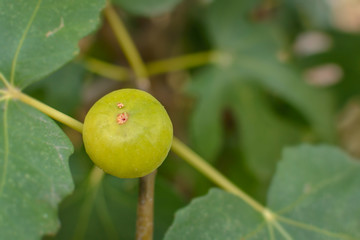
[{"x": 240, "y": 80}]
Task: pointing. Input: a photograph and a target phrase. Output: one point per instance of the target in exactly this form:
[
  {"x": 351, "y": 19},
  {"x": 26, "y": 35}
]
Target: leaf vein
[
  {"x": 255, "y": 231},
  {"x": 6, "y": 149},
  {"x": 281, "y": 230},
  {"x": 314, "y": 229},
  {"x": 21, "y": 43},
  {"x": 271, "y": 231},
  {"x": 4, "y": 80},
  {"x": 316, "y": 189}
]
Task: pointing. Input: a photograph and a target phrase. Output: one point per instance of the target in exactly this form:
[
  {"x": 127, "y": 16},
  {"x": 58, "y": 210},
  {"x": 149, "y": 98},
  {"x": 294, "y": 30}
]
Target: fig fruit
[{"x": 127, "y": 133}]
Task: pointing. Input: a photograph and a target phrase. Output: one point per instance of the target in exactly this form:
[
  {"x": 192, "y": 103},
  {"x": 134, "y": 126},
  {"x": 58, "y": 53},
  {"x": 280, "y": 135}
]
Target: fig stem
[
  {"x": 211, "y": 173},
  {"x": 182, "y": 62},
  {"x": 187, "y": 61},
  {"x": 145, "y": 207},
  {"x": 51, "y": 112},
  {"x": 108, "y": 70},
  {"x": 127, "y": 45}
]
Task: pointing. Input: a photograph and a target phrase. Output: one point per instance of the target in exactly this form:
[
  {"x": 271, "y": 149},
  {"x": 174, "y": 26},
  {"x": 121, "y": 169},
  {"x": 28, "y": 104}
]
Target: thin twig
[
  {"x": 128, "y": 46},
  {"x": 181, "y": 62},
  {"x": 108, "y": 70},
  {"x": 211, "y": 173},
  {"x": 145, "y": 212},
  {"x": 120, "y": 73},
  {"x": 53, "y": 113}
]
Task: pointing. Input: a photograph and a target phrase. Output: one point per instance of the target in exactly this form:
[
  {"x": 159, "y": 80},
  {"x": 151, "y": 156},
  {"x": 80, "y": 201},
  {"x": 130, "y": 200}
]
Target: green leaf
[
  {"x": 314, "y": 195},
  {"x": 261, "y": 132},
  {"x": 256, "y": 118},
  {"x": 40, "y": 36},
  {"x": 230, "y": 27},
  {"x": 316, "y": 105},
  {"x": 251, "y": 51},
  {"x": 248, "y": 56},
  {"x": 147, "y": 7},
  {"x": 218, "y": 215},
  {"x": 106, "y": 208},
  {"x": 205, "y": 129},
  {"x": 324, "y": 188},
  {"x": 34, "y": 172}
]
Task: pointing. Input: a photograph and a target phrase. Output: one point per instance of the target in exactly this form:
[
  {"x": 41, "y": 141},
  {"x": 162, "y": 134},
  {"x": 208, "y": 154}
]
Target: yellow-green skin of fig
[{"x": 134, "y": 148}]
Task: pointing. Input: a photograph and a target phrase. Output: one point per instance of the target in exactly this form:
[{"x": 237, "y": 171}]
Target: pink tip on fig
[{"x": 122, "y": 118}]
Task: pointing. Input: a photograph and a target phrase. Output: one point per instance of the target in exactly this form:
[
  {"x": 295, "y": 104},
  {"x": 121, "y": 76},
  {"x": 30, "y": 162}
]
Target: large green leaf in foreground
[
  {"x": 314, "y": 194},
  {"x": 34, "y": 172},
  {"x": 39, "y": 36}
]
